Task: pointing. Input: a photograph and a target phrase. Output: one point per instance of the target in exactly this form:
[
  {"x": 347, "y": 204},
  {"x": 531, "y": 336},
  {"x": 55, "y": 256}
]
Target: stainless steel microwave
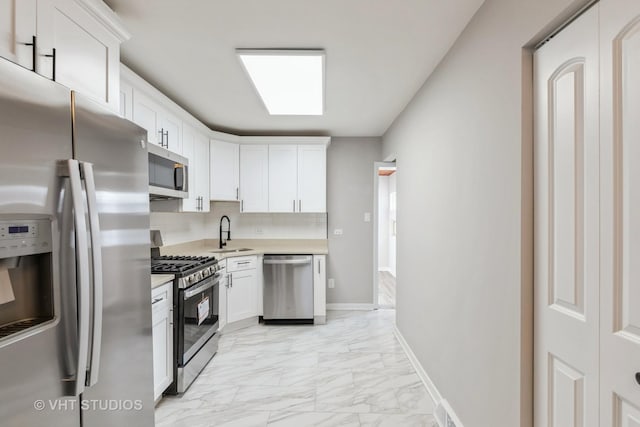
[{"x": 168, "y": 174}]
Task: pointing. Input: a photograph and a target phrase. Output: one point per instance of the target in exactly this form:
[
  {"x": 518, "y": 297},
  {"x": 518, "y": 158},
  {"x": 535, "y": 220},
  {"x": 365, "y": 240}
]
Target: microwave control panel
[{"x": 24, "y": 237}]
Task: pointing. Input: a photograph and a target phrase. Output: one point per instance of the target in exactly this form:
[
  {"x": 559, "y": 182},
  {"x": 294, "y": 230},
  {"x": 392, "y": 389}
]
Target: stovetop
[{"x": 180, "y": 265}]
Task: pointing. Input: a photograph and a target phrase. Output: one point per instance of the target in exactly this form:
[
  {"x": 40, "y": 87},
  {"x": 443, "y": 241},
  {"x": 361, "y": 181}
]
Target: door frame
[{"x": 377, "y": 165}]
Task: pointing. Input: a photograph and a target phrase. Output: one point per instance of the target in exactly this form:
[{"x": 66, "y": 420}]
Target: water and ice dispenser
[{"x": 26, "y": 275}]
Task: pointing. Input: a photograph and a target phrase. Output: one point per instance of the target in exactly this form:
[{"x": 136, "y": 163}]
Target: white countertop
[
  {"x": 257, "y": 246},
  {"x": 160, "y": 279}
]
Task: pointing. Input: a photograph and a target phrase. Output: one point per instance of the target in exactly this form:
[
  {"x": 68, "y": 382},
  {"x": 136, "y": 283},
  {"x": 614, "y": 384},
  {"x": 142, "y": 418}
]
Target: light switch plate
[
  {"x": 331, "y": 283},
  {"x": 367, "y": 217},
  {"x": 337, "y": 232}
]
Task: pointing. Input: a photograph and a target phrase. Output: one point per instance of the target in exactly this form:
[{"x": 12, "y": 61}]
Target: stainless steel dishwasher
[{"x": 288, "y": 288}]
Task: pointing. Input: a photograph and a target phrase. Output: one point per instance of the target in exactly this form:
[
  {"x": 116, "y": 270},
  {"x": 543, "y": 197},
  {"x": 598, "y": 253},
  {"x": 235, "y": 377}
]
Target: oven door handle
[{"x": 194, "y": 291}]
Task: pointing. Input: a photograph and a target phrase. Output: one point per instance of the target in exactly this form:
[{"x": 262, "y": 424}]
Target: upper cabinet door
[
  {"x": 171, "y": 127},
  {"x": 201, "y": 163},
  {"x": 126, "y": 100},
  {"x": 225, "y": 167},
  {"x": 77, "y": 51},
  {"x": 312, "y": 178},
  {"x": 283, "y": 178},
  {"x": 189, "y": 151},
  {"x": 17, "y": 31},
  {"x": 254, "y": 178},
  {"x": 145, "y": 114}
]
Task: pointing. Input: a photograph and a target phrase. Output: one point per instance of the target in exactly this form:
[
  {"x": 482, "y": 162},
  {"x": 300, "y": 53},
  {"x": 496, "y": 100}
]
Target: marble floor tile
[
  {"x": 397, "y": 420},
  {"x": 315, "y": 419},
  {"x": 350, "y": 372}
]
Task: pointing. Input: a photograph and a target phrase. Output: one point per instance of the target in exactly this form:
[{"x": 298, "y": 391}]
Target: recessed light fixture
[{"x": 289, "y": 82}]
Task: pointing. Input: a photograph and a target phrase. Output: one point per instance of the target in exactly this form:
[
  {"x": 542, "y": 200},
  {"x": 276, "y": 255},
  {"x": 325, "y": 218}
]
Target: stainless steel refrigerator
[{"x": 75, "y": 311}]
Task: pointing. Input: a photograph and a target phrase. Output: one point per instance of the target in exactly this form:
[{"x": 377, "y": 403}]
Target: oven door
[{"x": 198, "y": 317}]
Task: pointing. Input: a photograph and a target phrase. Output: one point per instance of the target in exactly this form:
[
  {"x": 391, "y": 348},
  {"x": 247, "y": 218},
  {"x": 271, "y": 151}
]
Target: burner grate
[{"x": 179, "y": 264}]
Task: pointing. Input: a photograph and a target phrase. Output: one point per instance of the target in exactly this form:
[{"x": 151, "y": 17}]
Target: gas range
[{"x": 188, "y": 270}]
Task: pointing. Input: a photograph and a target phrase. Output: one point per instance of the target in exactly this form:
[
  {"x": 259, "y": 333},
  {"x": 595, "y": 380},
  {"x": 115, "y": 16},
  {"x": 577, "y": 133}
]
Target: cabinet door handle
[
  {"x": 299, "y": 205},
  {"x": 294, "y": 205},
  {"x": 34, "y": 50},
  {"x": 166, "y": 133},
  {"x": 161, "y": 132},
  {"x": 237, "y": 193},
  {"x": 53, "y": 57},
  {"x": 318, "y": 266},
  {"x": 241, "y": 205}
]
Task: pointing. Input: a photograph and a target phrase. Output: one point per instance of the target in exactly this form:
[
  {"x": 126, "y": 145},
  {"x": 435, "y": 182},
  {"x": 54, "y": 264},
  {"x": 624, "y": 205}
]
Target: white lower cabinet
[
  {"x": 162, "y": 321},
  {"x": 242, "y": 288},
  {"x": 319, "y": 289}
]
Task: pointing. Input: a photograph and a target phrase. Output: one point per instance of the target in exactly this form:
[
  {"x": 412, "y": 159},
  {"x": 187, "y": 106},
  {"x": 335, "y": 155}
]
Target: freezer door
[
  {"x": 35, "y": 132},
  {"x": 122, "y": 369},
  {"x": 288, "y": 287}
]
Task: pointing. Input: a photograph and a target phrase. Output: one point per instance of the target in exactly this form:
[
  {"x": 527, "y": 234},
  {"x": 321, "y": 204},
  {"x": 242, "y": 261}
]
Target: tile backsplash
[
  {"x": 184, "y": 227},
  {"x": 267, "y": 226}
]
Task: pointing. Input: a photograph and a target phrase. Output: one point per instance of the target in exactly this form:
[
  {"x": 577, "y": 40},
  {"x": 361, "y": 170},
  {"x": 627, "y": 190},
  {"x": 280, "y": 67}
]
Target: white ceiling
[{"x": 378, "y": 54}]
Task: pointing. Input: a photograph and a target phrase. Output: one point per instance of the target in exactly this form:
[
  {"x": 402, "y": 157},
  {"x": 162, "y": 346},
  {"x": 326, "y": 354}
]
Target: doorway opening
[{"x": 385, "y": 232}]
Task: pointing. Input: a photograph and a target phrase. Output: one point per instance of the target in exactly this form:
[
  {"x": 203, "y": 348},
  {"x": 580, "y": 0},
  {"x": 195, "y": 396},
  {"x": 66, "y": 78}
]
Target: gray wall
[
  {"x": 349, "y": 195},
  {"x": 463, "y": 149}
]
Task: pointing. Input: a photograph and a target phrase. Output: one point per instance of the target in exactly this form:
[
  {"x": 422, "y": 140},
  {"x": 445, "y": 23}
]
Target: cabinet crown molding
[{"x": 107, "y": 17}]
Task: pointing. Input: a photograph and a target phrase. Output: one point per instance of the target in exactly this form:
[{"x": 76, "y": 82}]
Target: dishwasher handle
[{"x": 290, "y": 261}]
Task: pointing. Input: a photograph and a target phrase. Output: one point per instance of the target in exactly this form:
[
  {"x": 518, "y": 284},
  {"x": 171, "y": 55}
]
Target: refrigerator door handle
[
  {"x": 96, "y": 254},
  {"x": 72, "y": 170}
]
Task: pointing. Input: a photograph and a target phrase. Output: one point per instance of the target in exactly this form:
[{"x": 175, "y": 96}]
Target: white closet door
[
  {"x": 566, "y": 227},
  {"x": 620, "y": 213}
]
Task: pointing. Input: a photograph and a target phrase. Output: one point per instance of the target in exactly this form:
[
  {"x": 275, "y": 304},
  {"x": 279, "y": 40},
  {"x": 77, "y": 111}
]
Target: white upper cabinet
[
  {"x": 126, "y": 100},
  {"x": 196, "y": 149},
  {"x": 225, "y": 171},
  {"x": 312, "y": 178},
  {"x": 201, "y": 164},
  {"x": 76, "y": 43},
  {"x": 254, "y": 178},
  {"x": 189, "y": 151},
  {"x": 170, "y": 131},
  {"x": 163, "y": 128},
  {"x": 18, "y": 31},
  {"x": 297, "y": 178},
  {"x": 283, "y": 177},
  {"x": 146, "y": 114}
]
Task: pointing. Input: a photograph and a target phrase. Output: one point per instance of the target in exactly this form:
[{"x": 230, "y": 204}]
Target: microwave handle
[{"x": 180, "y": 178}]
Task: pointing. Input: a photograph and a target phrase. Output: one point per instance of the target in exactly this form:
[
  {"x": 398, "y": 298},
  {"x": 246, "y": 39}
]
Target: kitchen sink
[{"x": 226, "y": 251}]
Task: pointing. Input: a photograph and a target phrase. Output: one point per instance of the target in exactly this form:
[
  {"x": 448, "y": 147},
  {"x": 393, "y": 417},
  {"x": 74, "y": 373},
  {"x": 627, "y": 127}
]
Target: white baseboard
[
  {"x": 443, "y": 410},
  {"x": 430, "y": 386},
  {"x": 347, "y": 306}
]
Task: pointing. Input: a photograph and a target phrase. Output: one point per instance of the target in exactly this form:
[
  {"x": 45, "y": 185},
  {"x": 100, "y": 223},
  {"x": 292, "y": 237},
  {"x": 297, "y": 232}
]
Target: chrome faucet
[{"x": 228, "y": 231}]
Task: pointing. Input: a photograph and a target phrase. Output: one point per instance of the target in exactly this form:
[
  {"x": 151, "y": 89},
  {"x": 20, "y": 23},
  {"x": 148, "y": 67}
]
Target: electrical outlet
[
  {"x": 337, "y": 232},
  {"x": 367, "y": 217},
  {"x": 259, "y": 230},
  {"x": 331, "y": 283}
]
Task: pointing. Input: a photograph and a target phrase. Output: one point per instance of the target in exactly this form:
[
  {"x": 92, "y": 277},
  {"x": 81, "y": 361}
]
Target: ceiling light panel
[{"x": 289, "y": 82}]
